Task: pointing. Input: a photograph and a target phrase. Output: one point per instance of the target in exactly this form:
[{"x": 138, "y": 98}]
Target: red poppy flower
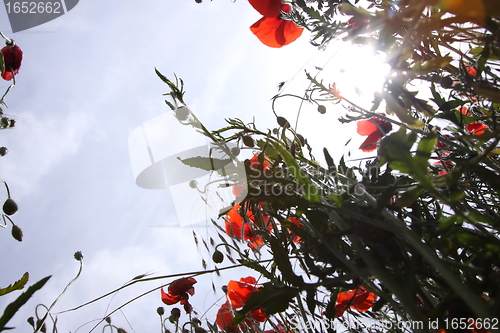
[
  {"x": 470, "y": 70},
  {"x": 178, "y": 291},
  {"x": 12, "y": 57},
  {"x": 239, "y": 291},
  {"x": 359, "y": 299},
  {"x": 375, "y": 128},
  {"x": 353, "y": 24},
  {"x": 476, "y": 128},
  {"x": 272, "y": 30},
  {"x": 255, "y": 164},
  {"x": 244, "y": 229},
  {"x": 297, "y": 222},
  {"x": 225, "y": 317},
  {"x": 465, "y": 111}
]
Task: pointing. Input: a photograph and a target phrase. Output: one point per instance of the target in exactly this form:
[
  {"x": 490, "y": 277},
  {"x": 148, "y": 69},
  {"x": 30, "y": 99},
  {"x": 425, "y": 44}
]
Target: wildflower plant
[{"x": 397, "y": 238}]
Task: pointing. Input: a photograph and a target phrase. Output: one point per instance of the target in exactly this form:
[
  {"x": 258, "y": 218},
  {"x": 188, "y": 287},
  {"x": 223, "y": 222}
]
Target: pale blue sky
[{"x": 87, "y": 80}]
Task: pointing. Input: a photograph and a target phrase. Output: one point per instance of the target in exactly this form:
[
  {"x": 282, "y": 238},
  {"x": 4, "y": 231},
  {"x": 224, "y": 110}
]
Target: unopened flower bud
[
  {"x": 218, "y": 257},
  {"x": 248, "y": 141},
  {"x": 31, "y": 321},
  {"x": 283, "y": 122},
  {"x": 321, "y": 109},
  {"x": 17, "y": 233},
  {"x": 160, "y": 311},
  {"x": 108, "y": 320},
  {"x": 10, "y": 207},
  {"x": 175, "y": 312}
]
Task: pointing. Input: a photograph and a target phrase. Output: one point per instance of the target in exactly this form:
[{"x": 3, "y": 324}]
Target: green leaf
[
  {"x": 393, "y": 107},
  {"x": 18, "y": 285},
  {"x": 407, "y": 198},
  {"x": 282, "y": 260},
  {"x": 257, "y": 267},
  {"x": 13, "y": 307},
  {"x": 205, "y": 163},
  {"x": 272, "y": 298},
  {"x": 311, "y": 193},
  {"x": 329, "y": 159}
]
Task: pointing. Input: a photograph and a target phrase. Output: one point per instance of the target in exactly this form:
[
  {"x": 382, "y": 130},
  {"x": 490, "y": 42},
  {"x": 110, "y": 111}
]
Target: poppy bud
[
  {"x": 108, "y": 320},
  {"x": 31, "y": 321},
  {"x": 17, "y": 233},
  {"x": 10, "y": 207},
  {"x": 12, "y": 123},
  {"x": 248, "y": 141},
  {"x": 121, "y": 330},
  {"x": 200, "y": 330},
  {"x": 218, "y": 257},
  {"x": 446, "y": 82},
  {"x": 283, "y": 122},
  {"x": 198, "y": 1},
  {"x": 321, "y": 109},
  {"x": 224, "y": 289},
  {"x": 175, "y": 313},
  {"x": 3, "y": 151},
  {"x": 160, "y": 311},
  {"x": 182, "y": 113},
  {"x": 79, "y": 256}
]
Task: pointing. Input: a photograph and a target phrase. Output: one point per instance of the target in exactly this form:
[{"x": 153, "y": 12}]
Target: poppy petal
[
  {"x": 269, "y": 8},
  {"x": 366, "y": 127},
  {"x": 370, "y": 144},
  {"x": 275, "y": 32},
  {"x": 169, "y": 299}
]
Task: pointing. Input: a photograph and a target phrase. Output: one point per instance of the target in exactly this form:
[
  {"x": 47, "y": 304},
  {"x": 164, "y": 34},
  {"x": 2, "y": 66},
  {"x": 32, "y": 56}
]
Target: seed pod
[
  {"x": 218, "y": 257},
  {"x": 321, "y": 109},
  {"x": 79, "y": 256},
  {"x": 160, "y": 311},
  {"x": 3, "y": 151},
  {"x": 248, "y": 141},
  {"x": 283, "y": 122},
  {"x": 17, "y": 233},
  {"x": 10, "y": 207}
]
